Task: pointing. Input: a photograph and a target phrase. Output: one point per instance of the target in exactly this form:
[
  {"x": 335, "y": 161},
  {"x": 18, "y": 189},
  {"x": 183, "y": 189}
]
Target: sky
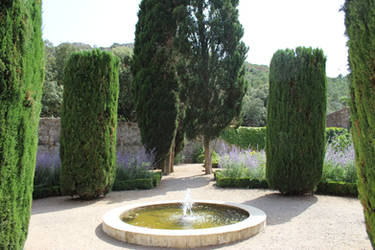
[{"x": 268, "y": 25}]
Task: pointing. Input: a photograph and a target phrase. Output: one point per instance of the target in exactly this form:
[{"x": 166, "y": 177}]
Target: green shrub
[
  {"x": 21, "y": 82},
  {"x": 133, "y": 184},
  {"x": 255, "y": 138},
  {"x": 42, "y": 191},
  {"x": 88, "y": 124},
  {"x": 296, "y": 120},
  {"x": 245, "y": 137},
  {"x": 337, "y": 188},
  {"x": 360, "y": 24}
]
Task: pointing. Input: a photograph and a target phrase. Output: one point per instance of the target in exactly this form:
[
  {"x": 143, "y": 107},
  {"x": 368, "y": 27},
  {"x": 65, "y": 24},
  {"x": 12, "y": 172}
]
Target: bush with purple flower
[
  {"x": 241, "y": 163},
  {"x": 136, "y": 166},
  {"x": 47, "y": 169},
  {"x": 339, "y": 163}
]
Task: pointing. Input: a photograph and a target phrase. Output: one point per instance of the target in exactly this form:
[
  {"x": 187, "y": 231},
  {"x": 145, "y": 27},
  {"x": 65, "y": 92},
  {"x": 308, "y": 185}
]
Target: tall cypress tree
[
  {"x": 21, "y": 80},
  {"x": 155, "y": 85},
  {"x": 360, "y": 26},
  {"x": 212, "y": 71},
  {"x": 296, "y": 120},
  {"x": 88, "y": 124}
]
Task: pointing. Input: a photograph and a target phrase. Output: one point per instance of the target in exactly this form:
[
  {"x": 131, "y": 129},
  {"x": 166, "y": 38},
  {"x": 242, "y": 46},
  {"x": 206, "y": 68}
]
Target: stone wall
[
  {"x": 339, "y": 118},
  {"x": 128, "y": 139}
]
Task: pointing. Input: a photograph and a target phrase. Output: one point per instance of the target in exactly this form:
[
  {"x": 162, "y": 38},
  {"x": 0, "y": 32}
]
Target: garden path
[{"x": 308, "y": 222}]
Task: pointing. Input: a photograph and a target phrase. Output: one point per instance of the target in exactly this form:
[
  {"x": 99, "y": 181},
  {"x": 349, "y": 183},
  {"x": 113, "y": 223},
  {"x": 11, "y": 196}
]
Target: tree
[
  {"x": 212, "y": 72},
  {"x": 360, "y": 26},
  {"x": 88, "y": 124},
  {"x": 155, "y": 85},
  {"x": 21, "y": 80},
  {"x": 296, "y": 118}
]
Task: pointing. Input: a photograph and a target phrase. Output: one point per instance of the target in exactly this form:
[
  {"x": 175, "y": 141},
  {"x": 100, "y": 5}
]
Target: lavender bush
[
  {"x": 339, "y": 161},
  {"x": 239, "y": 163},
  {"x": 47, "y": 169},
  {"x": 134, "y": 166}
]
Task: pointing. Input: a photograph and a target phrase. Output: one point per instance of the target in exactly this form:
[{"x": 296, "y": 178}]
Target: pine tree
[
  {"x": 21, "y": 81},
  {"x": 88, "y": 124},
  {"x": 296, "y": 120},
  {"x": 360, "y": 26},
  {"x": 155, "y": 85},
  {"x": 212, "y": 70}
]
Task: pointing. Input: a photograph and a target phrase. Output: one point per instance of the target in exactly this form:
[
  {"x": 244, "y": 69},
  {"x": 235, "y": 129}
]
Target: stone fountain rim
[{"x": 112, "y": 220}]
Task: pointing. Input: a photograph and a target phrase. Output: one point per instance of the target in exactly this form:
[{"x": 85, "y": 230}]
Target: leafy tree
[
  {"x": 155, "y": 85},
  {"x": 21, "y": 80},
  {"x": 126, "y": 108},
  {"x": 360, "y": 26},
  {"x": 212, "y": 73},
  {"x": 296, "y": 120},
  {"x": 337, "y": 93},
  {"x": 88, "y": 124}
]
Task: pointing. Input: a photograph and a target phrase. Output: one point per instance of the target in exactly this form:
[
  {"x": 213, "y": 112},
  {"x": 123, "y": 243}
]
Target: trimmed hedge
[
  {"x": 88, "y": 124},
  {"x": 146, "y": 183},
  {"x": 255, "y": 138},
  {"x": 245, "y": 137},
  {"x": 227, "y": 182},
  {"x": 337, "y": 188},
  {"x": 45, "y": 191},
  {"x": 21, "y": 83},
  {"x": 329, "y": 188}
]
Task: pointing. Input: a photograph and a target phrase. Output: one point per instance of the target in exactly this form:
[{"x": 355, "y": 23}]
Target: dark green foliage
[
  {"x": 155, "y": 85},
  {"x": 212, "y": 73},
  {"x": 337, "y": 188},
  {"x": 228, "y": 182},
  {"x": 88, "y": 124},
  {"x": 133, "y": 184},
  {"x": 360, "y": 26},
  {"x": 21, "y": 80},
  {"x": 40, "y": 192},
  {"x": 245, "y": 137},
  {"x": 296, "y": 120},
  {"x": 142, "y": 183}
]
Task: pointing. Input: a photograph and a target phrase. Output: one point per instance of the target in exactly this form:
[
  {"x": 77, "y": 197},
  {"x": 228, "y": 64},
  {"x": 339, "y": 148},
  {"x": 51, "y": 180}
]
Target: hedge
[
  {"x": 146, "y": 183},
  {"x": 255, "y": 138},
  {"x": 329, "y": 188}
]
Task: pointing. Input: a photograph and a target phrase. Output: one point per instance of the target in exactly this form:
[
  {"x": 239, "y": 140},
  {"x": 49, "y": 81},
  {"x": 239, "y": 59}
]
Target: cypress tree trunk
[
  {"x": 360, "y": 26},
  {"x": 21, "y": 82},
  {"x": 88, "y": 124},
  {"x": 207, "y": 155},
  {"x": 296, "y": 120}
]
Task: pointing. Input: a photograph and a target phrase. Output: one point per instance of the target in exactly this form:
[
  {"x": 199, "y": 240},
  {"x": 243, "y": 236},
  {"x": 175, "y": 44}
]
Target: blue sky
[{"x": 269, "y": 25}]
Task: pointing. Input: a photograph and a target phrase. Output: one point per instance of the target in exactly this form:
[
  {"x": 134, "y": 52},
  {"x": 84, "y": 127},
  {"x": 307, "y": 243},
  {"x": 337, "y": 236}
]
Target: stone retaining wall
[{"x": 128, "y": 139}]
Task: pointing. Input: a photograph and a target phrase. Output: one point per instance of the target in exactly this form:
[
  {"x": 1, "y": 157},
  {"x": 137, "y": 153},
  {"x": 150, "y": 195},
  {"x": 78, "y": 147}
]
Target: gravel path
[{"x": 309, "y": 222}]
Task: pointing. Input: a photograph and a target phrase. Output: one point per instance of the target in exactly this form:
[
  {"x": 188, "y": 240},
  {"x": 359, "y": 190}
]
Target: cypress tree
[
  {"x": 296, "y": 120},
  {"x": 88, "y": 124},
  {"x": 155, "y": 85},
  {"x": 21, "y": 81},
  {"x": 212, "y": 73},
  {"x": 360, "y": 26}
]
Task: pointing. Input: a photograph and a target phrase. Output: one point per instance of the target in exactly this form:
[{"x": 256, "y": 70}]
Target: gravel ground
[{"x": 308, "y": 222}]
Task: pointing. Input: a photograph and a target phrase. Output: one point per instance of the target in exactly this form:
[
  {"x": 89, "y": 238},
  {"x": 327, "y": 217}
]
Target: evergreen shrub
[
  {"x": 21, "y": 83},
  {"x": 88, "y": 124},
  {"x": 296, "y": 120},
  {"x": 245, "y": 137},
  {"x": 360, "y": 26}
]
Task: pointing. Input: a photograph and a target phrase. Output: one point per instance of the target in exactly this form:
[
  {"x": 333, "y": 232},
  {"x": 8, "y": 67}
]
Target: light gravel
[{"x": 308, "y": 222}]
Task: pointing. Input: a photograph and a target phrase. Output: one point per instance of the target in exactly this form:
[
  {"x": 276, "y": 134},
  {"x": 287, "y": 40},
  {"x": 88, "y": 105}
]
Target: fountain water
[{"x": 187, "y": 205}]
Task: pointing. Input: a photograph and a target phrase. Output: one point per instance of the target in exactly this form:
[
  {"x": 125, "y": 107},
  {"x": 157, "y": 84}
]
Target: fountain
[{"x": 184, "y": 224}]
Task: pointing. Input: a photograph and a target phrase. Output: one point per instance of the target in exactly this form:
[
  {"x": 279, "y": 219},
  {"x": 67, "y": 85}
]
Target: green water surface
[{"x": 170, "y": 216}]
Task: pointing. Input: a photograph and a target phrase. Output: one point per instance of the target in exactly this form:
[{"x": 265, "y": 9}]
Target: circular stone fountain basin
[{"x": 251, "y": 221}]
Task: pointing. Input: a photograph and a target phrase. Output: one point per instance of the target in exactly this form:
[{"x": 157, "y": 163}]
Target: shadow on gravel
[{"x": 280, "y": 209}]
